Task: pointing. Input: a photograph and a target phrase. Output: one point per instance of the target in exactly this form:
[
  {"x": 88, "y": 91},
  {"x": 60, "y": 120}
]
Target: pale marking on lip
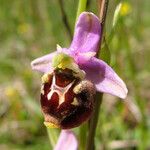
[
  {"x": 42, "y": 90},
  {"x": 61, "y": 91},
  {"x": 75, "y": 102}
]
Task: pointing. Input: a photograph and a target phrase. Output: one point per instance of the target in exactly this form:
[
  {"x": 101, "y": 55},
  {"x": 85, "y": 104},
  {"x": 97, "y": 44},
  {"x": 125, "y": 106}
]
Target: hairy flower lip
[{"x": 66, "y": 100}]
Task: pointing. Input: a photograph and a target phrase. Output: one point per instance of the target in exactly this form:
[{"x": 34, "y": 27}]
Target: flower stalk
[
  {"x": 83, "y": 135},
  {"x": 93, "y": 122},
  {"x": 98, "y": 101},
  {"x": 81, "y": 7}
]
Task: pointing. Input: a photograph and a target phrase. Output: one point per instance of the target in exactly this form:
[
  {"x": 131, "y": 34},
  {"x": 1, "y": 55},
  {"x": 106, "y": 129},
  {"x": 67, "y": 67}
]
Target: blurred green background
[{"x": 32, "y": 28}]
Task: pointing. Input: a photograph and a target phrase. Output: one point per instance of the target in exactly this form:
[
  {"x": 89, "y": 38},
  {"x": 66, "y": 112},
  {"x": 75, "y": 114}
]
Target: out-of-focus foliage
[{"x": 32, "y": 28}]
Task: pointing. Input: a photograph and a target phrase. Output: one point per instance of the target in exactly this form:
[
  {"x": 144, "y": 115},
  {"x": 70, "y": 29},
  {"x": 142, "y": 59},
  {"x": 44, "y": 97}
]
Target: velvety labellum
[{"x": 66, "y": 101}]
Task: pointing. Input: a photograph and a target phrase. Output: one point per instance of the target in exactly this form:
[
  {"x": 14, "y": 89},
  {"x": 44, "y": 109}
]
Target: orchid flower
[
  {"x": 80, "y": 59},
  {"x": 73, "y": 75}
]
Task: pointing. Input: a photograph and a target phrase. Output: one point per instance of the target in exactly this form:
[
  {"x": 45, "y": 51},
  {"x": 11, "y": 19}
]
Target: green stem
[
  {"x": 53, "y": 135},
  {"x": 93, "y": 122},
  {"x": 94, "y": 119},
  {"x": 83, "y": 135},
  {"x": 81, "y": 7}
]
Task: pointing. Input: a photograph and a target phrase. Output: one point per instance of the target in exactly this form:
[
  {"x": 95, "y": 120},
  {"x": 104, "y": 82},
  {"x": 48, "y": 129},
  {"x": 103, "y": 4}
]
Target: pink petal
[
  {"x": 43, "y": 64},
  {"x": 87, "y": 33},
  {"x": 104, "y": 77},
  {"x": 66, "y": 141}
]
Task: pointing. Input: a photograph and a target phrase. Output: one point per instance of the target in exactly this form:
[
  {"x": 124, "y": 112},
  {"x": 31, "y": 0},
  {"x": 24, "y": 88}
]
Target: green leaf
[
  {"x": 116, "y": 14},
  {"x": 105, "y": 53}
]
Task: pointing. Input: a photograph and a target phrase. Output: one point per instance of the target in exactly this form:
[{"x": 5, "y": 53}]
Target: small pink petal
[
  {"x": 66, "y": 141},
  {"x": 104, "y": 77},
  {"x": 87, "y": 33},
  {"x": 43, "y": 64}
]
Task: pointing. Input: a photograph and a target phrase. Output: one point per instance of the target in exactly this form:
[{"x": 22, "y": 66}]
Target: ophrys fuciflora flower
[{"x": 72, "y": 75}]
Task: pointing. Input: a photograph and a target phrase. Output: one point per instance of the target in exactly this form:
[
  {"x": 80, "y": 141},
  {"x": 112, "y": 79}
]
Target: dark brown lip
[{"x": 71, "y": 108}]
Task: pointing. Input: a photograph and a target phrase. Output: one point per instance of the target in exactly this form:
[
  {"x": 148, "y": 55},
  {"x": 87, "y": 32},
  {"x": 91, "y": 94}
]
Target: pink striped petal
[
  {"x": 67, "y": 141},
  {"x": 43, "y": 64},
  {"x": 87, "y": 33},
  {"x": 104, "y": 77}
]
